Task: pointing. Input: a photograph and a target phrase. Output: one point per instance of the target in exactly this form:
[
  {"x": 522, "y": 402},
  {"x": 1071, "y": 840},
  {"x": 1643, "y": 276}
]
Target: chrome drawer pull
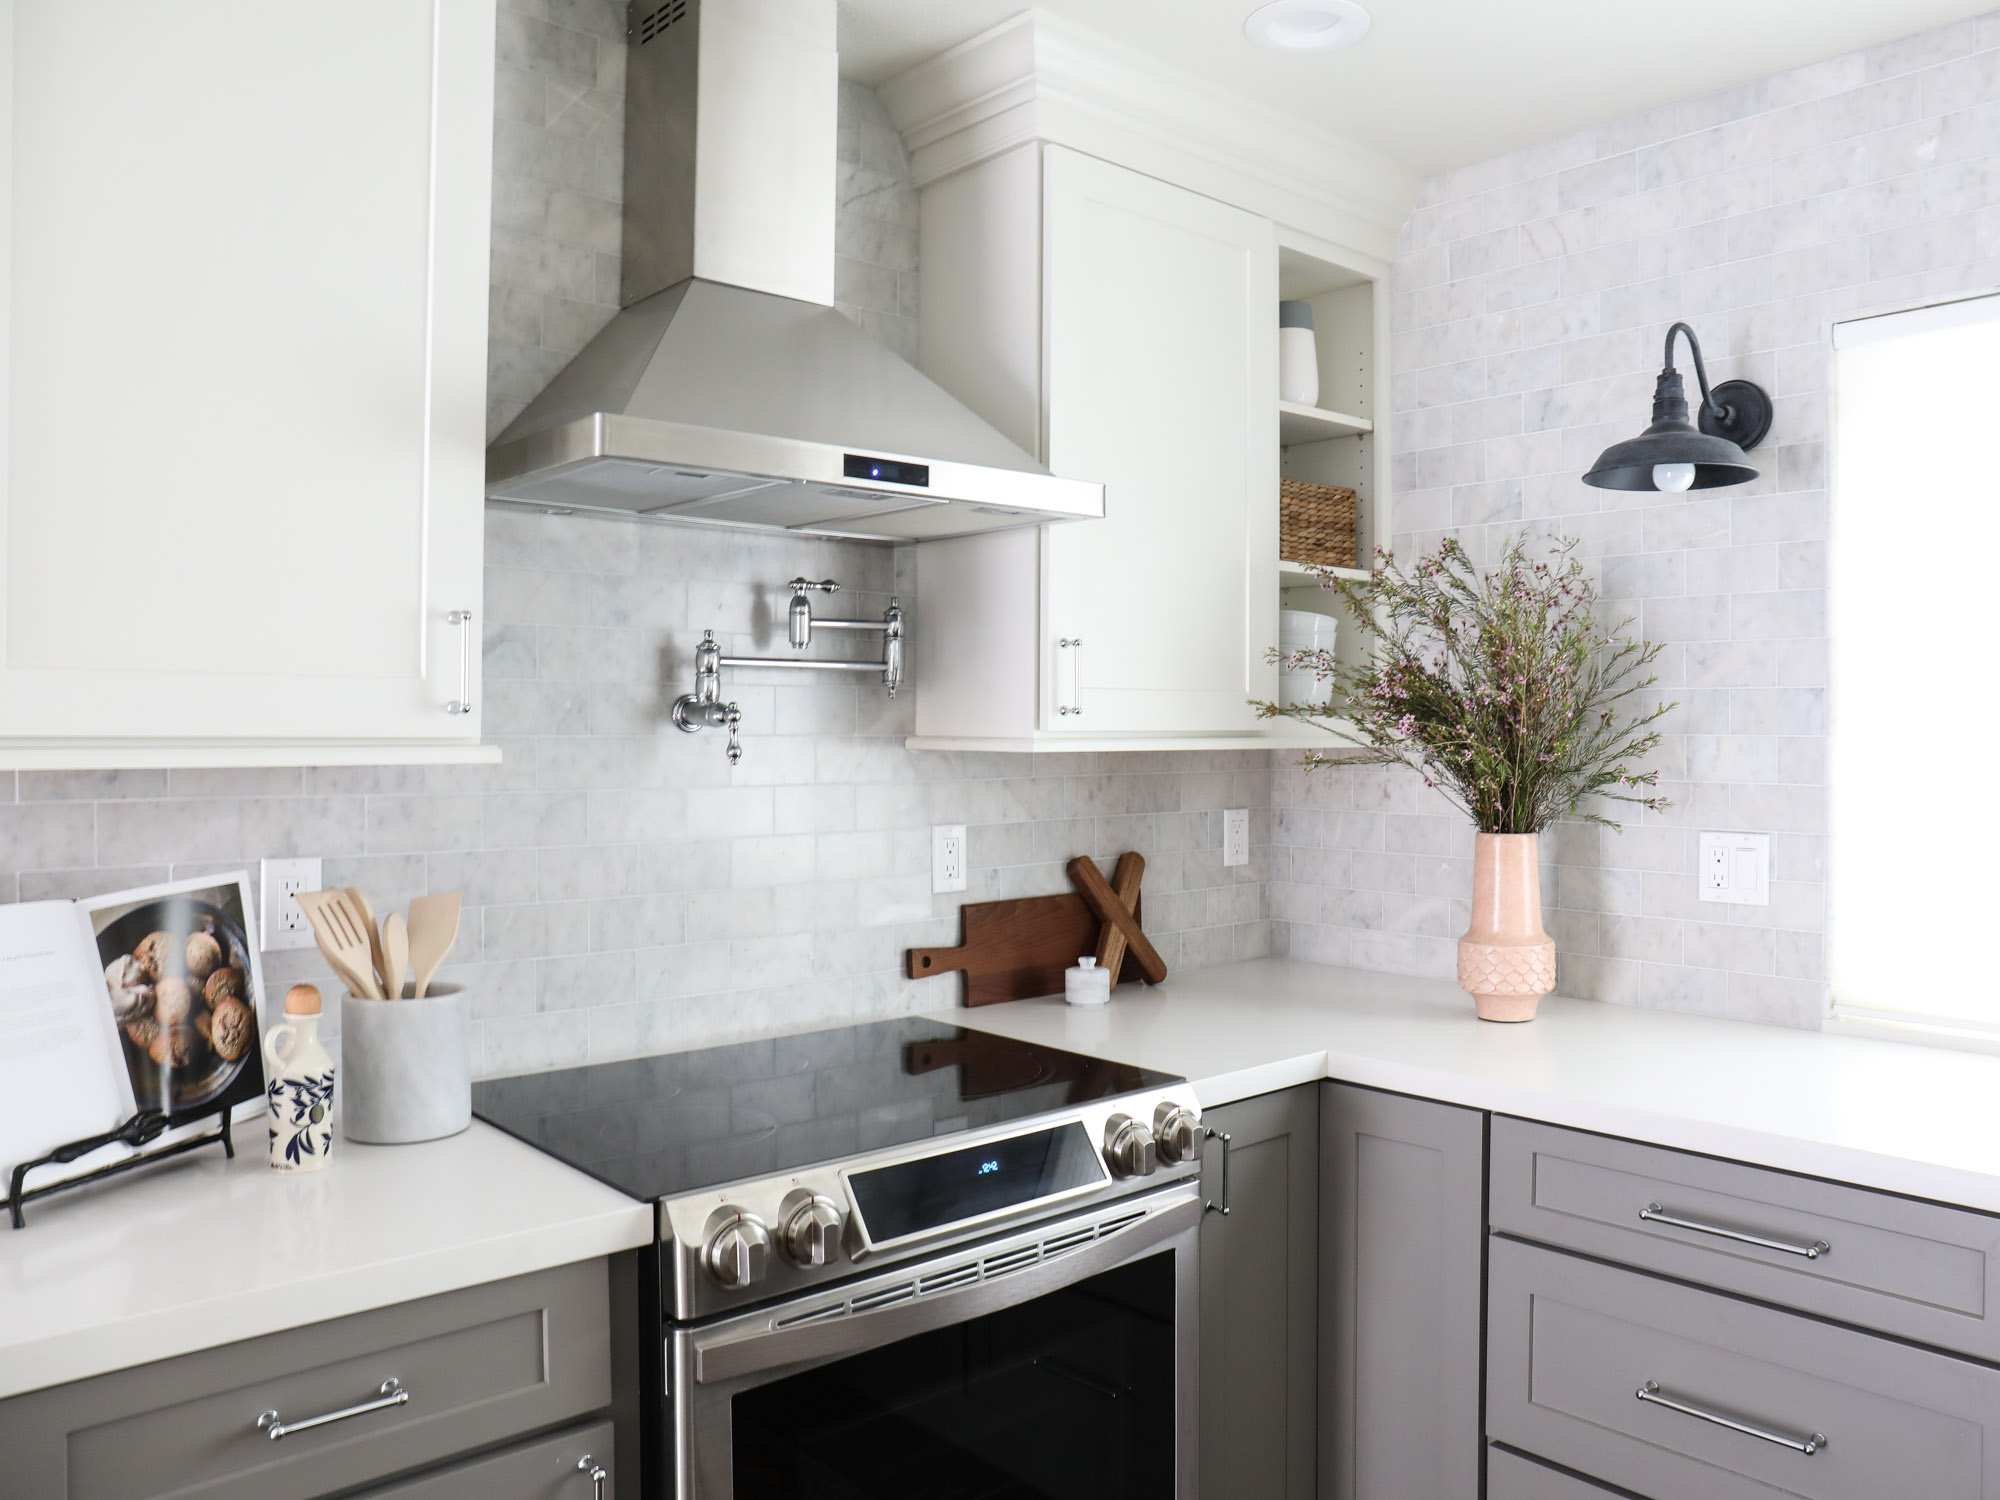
[
  {"x": 1652, "y": 1213},
  {"x": 462, "y": 704},
  {"x": 1223, "y": 1206},
  {"x": 596, "y": 1473},
  {"x": 392, "y": 1394},
  {"x": 1650, "y": 1392}
]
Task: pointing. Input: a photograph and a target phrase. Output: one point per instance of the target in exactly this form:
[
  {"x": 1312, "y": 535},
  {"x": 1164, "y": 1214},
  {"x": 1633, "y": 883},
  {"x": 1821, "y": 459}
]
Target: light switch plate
[
  {"x": 947, "y": 857},
  {"x": 1735, "y": 868},
  {"x": 281, "y": 921},
  {"x": 1236, "y": 836}
]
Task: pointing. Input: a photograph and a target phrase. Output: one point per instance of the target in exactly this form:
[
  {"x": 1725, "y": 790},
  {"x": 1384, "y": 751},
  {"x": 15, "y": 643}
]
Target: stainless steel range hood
[{"x": 728, "y": 389}]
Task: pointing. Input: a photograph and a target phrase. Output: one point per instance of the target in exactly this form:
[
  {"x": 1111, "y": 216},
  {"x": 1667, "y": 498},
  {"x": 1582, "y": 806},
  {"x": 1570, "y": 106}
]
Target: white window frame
[{"x": 1959, "y": 1033}]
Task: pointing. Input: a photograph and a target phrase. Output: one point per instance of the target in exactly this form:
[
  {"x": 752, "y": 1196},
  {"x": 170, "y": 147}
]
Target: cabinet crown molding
[{"x": 1039, "y": 77}]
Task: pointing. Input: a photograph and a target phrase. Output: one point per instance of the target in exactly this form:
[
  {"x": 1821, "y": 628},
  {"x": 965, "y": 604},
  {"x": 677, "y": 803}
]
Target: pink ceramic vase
[{"x": 1506, "y": 962}]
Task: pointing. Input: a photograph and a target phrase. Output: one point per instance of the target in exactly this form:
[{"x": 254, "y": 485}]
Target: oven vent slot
[
  {"x": 887, "y": 1297},
  {"x": 944, "y": 1281},
  {"x": 1074, "y": 1240},
  {"x": 1014, "y": 1260},
  {"x": 817, "y": 1315},
  {"x": 1111, "y": 1226}
]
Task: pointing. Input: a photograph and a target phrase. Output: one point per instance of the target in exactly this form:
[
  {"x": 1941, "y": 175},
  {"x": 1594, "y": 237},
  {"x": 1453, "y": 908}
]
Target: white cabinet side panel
[
  {"x": 979, "y": 298},
  {"x": 974, "y": 645}
]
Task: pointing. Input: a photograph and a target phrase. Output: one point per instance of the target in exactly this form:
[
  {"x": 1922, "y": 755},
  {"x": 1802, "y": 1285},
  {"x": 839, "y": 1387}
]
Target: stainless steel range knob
[
  {"x": 738, "y": 1250},
  {"x": 1129, "y": 1147},
  {"x": 809, "y": 1230},
  {"x": 1177, "y": 1129}
]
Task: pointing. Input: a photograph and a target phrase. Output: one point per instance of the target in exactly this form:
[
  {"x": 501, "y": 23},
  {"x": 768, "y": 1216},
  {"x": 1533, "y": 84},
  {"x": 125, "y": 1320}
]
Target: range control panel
[{"x": 767, "y": 1237}]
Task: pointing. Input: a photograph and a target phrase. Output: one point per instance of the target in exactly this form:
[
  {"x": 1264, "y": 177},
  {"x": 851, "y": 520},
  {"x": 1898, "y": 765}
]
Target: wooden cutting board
[{"x": 1015, "y": 950}]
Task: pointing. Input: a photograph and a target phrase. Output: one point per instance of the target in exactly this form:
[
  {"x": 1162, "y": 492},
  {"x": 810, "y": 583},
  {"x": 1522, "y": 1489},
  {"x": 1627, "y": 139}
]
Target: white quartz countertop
[
  {"x": 1908, "y": 1119},
  {"x": 204, "y": 1251}
]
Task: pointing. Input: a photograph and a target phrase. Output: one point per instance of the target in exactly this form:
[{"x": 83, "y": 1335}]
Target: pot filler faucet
[{"x": 704, "y": 708}]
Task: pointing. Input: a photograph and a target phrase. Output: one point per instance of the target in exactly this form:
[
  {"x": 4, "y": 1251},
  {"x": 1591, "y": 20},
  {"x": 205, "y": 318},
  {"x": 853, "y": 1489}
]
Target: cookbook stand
[{"x": 147, "y": 1125}]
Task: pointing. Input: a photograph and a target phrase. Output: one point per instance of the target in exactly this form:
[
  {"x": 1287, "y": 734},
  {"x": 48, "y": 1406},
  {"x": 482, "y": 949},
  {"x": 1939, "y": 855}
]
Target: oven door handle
[{"x": 732, "y": 1357}]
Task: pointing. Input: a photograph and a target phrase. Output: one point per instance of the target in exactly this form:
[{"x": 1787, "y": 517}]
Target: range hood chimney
[{"x": 727, "y": 388}]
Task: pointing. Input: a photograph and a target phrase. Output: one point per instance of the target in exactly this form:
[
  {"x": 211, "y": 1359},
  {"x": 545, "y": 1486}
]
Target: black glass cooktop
[{"x": 658, "y": 1126}]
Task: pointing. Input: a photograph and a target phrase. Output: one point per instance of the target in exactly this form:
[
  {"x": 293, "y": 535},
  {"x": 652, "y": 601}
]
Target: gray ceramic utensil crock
[{"x": 406, "y": 1067}]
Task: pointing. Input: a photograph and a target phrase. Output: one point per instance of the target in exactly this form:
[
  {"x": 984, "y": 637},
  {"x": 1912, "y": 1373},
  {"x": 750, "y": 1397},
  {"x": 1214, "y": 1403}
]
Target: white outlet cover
[
  {"x": 281, "y": 921},
  {"x": 1734, "y": 868},
  {"x": 947, "y": 857},
  {"x": 1236, "y": 836}
]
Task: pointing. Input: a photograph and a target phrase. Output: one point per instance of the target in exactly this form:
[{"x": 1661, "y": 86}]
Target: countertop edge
[{"x": 124, "y": 1343}]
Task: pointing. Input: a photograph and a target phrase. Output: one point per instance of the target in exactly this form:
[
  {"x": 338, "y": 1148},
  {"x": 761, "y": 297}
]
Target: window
[{"x": 1914, "y": 620}]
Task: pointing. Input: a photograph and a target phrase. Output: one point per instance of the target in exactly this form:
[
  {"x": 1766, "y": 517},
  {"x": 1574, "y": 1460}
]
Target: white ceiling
[{"x": 1438, "y": 83}]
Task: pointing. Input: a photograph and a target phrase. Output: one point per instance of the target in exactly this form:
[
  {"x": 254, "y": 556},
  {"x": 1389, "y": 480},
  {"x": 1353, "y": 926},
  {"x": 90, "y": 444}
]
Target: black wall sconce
[{"x": 1671, "y": 454}]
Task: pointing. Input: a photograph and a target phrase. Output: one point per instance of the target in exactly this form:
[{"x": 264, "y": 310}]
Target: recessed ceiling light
[{"x": 1307, "y": 25}]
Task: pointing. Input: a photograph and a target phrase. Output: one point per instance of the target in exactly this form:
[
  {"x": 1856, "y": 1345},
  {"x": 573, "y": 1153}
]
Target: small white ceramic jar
[{"x": 1086, "y": 984}]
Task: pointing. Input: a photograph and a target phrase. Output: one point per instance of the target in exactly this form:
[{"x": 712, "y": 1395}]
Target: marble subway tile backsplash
[
  {"x": 627, "y": 891},
  {"x": 1531, "y": 295}
]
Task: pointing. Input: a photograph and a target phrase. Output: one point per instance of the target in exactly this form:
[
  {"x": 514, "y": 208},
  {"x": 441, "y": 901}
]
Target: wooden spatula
[
  {"x": 337, "y": 925},
  {"x": 374, "y": 939},
  {"x": 395, "y": 954},
  {"x": 433, "y": 929}
]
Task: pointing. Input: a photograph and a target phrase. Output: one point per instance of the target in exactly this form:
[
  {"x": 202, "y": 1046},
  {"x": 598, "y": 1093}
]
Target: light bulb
[{"x": 1673, "y": 477}]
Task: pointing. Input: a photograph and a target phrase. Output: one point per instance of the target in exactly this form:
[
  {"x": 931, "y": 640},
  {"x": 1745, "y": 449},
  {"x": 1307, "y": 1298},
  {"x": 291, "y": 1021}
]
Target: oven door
[{"x": 1055, "y": 1362}]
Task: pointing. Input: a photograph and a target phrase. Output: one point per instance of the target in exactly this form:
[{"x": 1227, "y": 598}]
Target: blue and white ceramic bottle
[{"x": 299, "y": 1090}]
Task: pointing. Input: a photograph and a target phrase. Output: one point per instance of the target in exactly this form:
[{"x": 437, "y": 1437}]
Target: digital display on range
[{"x": 914, "y": 1197}]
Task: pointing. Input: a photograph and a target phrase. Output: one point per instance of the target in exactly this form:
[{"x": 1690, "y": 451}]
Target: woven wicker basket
[{"x": 1316, "y": 524}]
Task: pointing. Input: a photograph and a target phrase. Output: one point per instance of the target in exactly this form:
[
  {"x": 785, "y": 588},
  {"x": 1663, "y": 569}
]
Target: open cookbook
[{"x": 143, "y": 999}]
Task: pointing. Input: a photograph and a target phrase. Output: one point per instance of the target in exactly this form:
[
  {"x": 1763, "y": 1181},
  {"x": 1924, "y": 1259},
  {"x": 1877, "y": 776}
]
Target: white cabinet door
[
  {"x": 1160, "y": 381},
  {"x": 245, "y": 320}
]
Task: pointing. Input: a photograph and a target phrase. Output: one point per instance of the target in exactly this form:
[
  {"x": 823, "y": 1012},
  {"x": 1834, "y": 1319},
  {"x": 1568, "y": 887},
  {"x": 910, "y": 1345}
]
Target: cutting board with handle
[{"x": 1016, "y": 950}]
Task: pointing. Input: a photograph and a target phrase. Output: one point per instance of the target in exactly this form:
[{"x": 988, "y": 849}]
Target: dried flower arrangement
[{"x": 1500, "y": 687}]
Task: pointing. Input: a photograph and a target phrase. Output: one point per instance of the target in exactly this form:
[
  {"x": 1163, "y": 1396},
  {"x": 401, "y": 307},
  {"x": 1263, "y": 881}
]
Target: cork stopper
[{"x": 302, "y": 1000}]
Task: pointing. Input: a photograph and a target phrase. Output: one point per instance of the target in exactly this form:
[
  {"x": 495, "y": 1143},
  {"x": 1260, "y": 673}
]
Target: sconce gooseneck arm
[{"x": 1708, "y": 402}]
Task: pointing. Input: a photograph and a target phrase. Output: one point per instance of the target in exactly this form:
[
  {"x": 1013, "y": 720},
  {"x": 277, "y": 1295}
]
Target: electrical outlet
[
  {"x": 282, "y": 921},
  {"x": 1736, "y": 868},
  {"x": 1236, "y": 836},
  {"x": 947, "y": 857}
]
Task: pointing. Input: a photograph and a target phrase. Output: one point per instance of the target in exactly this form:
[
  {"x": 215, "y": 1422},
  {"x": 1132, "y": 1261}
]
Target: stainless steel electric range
[{"x": 899, "y": 1261}]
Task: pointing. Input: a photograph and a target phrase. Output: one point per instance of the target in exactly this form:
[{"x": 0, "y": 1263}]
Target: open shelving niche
[{"x": 1343, "y": 439}]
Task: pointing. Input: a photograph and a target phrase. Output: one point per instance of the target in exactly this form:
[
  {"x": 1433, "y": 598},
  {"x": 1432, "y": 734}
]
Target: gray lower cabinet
[
  {"x": 1258, "y": 1289},
  {"x": 480, "y": 1367},
  {"x": 1681, "y": 1393},
  {"x": 1509, "y": 1476},
  {"x": 558, "y": 1467},
  {"x": 1402, "y": 1231}
]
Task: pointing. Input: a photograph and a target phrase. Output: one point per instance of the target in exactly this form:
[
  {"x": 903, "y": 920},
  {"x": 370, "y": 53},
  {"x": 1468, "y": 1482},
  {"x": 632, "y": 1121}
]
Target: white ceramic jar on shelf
[{"x": 1298, "y": 354}]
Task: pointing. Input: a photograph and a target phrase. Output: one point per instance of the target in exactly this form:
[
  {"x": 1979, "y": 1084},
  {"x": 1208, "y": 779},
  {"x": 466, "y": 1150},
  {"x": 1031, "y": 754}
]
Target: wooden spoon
[
  {"x": 374, "y": 939},
  {"x": 395, "y": 954},
  {"x": 433, "y": 929},
  {"x": 337, "y": 925}
]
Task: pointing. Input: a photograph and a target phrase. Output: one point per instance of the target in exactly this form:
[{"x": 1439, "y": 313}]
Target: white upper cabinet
[
  {"x": 245, "y": 324},
  {"x": 1125, "y": 329}
]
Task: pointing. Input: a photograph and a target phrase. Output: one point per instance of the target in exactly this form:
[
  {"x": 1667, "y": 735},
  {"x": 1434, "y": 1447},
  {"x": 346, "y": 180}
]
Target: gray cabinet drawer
[
  {"x": 1512, "y": 1477},
  {"x": 543, "y": 1470},
  {"x": 1571, "y": 1342},
  {"x": 481, "y": 1366},
  {"x": 1919, "y": 1270}
]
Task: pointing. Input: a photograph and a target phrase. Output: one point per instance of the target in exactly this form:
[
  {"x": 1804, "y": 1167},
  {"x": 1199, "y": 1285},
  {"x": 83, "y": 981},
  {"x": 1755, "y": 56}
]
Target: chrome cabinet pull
[
  {"x": 1652, "y": 1213},
  {"x": 1073, "y": 645},
  {"x": 391, "y": 1394},
  {"x": 1221, "y": 1207},
  {"x": 462, "y": 704},
  {"x": 597, "y": 1474},
  {"x": 1650, "y": 1392}
]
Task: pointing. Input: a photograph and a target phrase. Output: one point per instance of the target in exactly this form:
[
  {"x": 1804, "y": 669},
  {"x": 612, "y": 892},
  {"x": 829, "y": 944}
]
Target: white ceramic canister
[
  {"x": 298, "y": 1095},
  {"x": 1298, "y": 354},
  {"x": 406, "y": 1066},
  {"x": 1086, "y": 984}
]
